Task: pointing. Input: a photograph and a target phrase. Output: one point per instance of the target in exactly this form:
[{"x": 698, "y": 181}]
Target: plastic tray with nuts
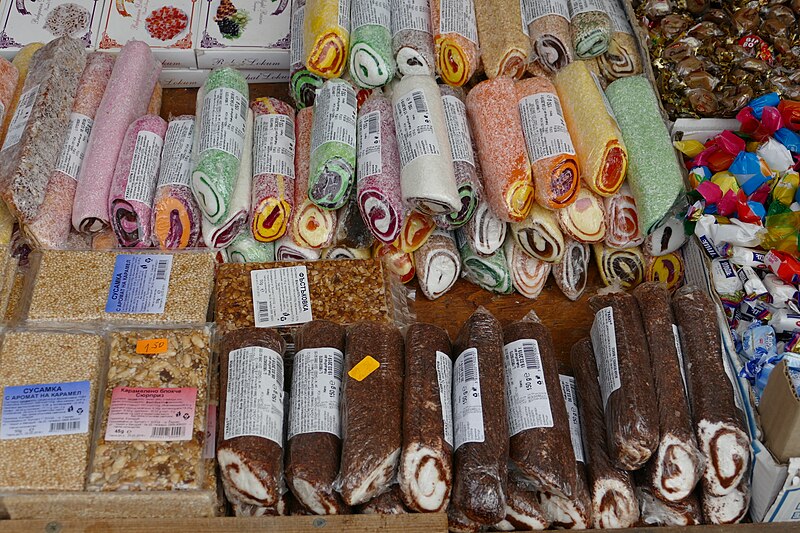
[
  {"x": 119, "y": 286},
  {"x": 153, "y": 428}
]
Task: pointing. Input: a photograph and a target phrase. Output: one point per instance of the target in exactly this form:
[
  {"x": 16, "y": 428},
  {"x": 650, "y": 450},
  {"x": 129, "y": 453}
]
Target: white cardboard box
[
  {"x": 191, "y": 78},
  {"x": 169, "y": 27},
  {"x": 776, "y": 487},
  {"x": 250, "y": 34},
  {"x": 28, "y": 21}
]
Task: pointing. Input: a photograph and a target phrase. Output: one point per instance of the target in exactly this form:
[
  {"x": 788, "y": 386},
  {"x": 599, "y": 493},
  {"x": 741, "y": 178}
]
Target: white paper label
[
  {"x": 604, "y": 342},
  {"x": 679, "y": 349},
  {"x": 371, "y": 13},
  {"x": 533, "y": 10},
  {"x": 223, "y": 121},
  {"x": 176, "y": 158},
  {"x": 21, "y": 116},
  {"x": 576, "y": 7},
  {"x": 296, "y": 58},
  {"x": 370, "y": 156},
  {"x": 69, "y": 162},
  {"x": 334, "y": 115},
  {"x": 543, "y": 124},
  {"x": 467, "y": 405},
  {"x": 415, "y": 134},
  {"x": 344, "y": 14},
  {"x": 444, "y": 376},
  {"x": 254, "y": 397},
  {"x": 144, "y": 168},
  {"x": 411, "y": 15},
  {"x": 281, "y": 296},
  {"x": 526, "y": 389},
  {"x": 570, "y": 392},
  {"x": 458, "y": 16},
  {"x": 455, "y": 115},
  {"x": 619, "y": 20},
  {"x": 316, "y": 392},
  {"x": 45, "y": 409},
  {"x": 273, "y": 145}
]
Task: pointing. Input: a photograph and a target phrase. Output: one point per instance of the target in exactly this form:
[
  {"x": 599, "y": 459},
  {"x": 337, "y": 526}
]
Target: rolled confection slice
[
  {"x": 326, "y": 37},
  {"x": 343, "y": 252},
  {"x": 539, "y": 235},
  {"x": 572, "y": 271},
  {"x": 523, "y": 512},
  {"x": 505, "y": 47},
  {"x": 378, "y": 169},
  {"x": 273, "y": 180},
  {"x": 548, "y": 28},
  {"x": 667, "y": 238},
  {"x": 415, "y": 231},
  {"x": 351, "y": 229},
  {"x": 584, "y": 219},
  {"x": 311, "y": 226},
  {"x": 455, "y": 35},
  {"x": 396, "y": 261},
  {"x": 303, "y": 84},
  {"x": 619, "y": 267},
  {"x": 485, "y": 231},
  {"x": 528, "y": 274},
  {"x": 288, "y": 250},
  {"x": 590, "y": 27},
  {"x": 622, "y": 57},
  {"x": 656, "y": 512},
  {"x": 438, "y": 264},
  {"x": 728, "y": 509},
  {"x": 654, "y": 173},
  {"x": 245, "y": 249},
  {"x": 622, "y": 220},
  {"x": 602, "y": 157},
  {"x": 387, "y": 503},
  {"x": 372, "y": 62},
  {"x": 412, "y": 38},
  {"x": 497, "y": 126},
  {"x": 488, "y": 272},
  {"x": 427, "y": 178},
  {"x": 668, "y": 269}
]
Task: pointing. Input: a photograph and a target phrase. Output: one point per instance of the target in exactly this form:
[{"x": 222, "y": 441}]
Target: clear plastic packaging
[{"x": 139, "y": 447}]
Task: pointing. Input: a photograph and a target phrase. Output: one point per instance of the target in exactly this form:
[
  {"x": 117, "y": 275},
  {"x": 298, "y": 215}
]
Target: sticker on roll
[
  {"x": 281, "y": 296},
  {"x": 467, "y": 404},
  {"x": 604, "y": 344},
  {"x": 526, "y": 388}
]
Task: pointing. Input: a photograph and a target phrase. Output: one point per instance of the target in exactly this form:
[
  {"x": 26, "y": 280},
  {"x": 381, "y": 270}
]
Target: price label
[{"x": 151, "y": 346}]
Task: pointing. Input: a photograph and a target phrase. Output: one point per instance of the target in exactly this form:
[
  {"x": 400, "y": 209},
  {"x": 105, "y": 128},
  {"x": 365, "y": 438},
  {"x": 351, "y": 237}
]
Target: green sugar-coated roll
[
  {"x": 333, "y": 145},
  {"x": 303, "y": 84},
  {"x": 245, "y": 249},
  {"x": 219, "y": 141},
  {"x": 371, "y": 59},
  {"x": 653, "y": 171},
  {"x": 590, "y": 27},
  {"x": 488, "y": 272}
]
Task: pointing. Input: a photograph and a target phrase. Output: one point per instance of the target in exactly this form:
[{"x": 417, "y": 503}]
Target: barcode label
[
  {"x": 444, "y": 377},
  {"x": 467, "y": 404},
  {"x": 161, "y": 270},
  {"x": 335, "y": 110},
  {"x": 37, "y": 410},
  {"x": 544, "y": 127},
  {"x": 455, "y": 115},
  {"x": 373, "y": 123},
  {"x": 171, "y": 432},
  {"x": 413, "y": 122},
  {"x": 352, "y": 100},
  {"x": 604, "y": 344},
  {"x": 65, "y": 426},
  {"x": 527, "y": 400},
  {"x": 570, "y": 392},
  {"x": 254, "y": 394},
  {"x": 370, "y": 148},
  {"x": 419, "y": 102},
  {"x": 281, "y": 296},
  {"x": 273, "y": 145},
  {"x": 316, "y": 391}
]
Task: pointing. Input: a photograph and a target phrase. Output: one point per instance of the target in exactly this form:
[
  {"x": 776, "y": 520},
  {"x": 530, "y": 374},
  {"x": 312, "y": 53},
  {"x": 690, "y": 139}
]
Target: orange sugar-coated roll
[
  {"x": 455, "y": 35},
  {"x": 552, "y": 154},
  {"x": 497, "y": 127}
]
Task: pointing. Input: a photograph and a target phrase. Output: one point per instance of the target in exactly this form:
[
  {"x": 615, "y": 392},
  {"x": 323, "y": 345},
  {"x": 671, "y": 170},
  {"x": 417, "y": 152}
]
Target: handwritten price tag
[{"x": 151, "y": 346}]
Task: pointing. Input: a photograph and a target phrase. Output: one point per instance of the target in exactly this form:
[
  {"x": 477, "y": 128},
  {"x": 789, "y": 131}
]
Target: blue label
[
  {"x": 45, "y": 409},
  {"x": 139, "y": 284}
]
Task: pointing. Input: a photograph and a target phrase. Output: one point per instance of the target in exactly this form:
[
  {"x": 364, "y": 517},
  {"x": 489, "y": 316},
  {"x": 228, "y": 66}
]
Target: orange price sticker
[
  {"x": 364, "y": 368},
  {"x": 151, "y": 346}
]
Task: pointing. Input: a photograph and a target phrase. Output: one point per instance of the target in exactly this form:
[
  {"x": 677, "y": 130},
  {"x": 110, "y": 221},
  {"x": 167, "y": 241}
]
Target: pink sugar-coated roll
[
  {"x": 126, "y": 98},
  {"x": 50, "y": 227},
  {"x": 9, "y": 75},
  {"x": 378, "y": 170},
  {"x": 130, "y": 203},
  {"x": 311, "y": 226},
  {"x": 272, "y": 194},
  {"x": 497, "y": 127}
]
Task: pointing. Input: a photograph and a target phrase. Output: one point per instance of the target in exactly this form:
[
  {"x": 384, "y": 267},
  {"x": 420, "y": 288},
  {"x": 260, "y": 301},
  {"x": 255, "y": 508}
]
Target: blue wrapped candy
[
  {"x": 789, "y": 139},
  {"x": 746, "y": 168},
  {"x": 766, "y": 100}
]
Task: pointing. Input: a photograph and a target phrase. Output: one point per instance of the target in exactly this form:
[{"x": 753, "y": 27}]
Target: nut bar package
[
  {"x": 614, "y": 502},
  {"x": 358, "y": 282},
  {"x": 426, "y": 471},
  {"x": 373, "y": 391},
  {"x": 314, "y": 446},
  {"x": 717, "y": 421},
  {"x": 540, "y": 445},
  {"x": 22, "y": 62},
  {"x": 250, "y": 439},
  {"x": 626, "y": 383},
  {"x": 480, "y": 422},
  {"x": 676, "y": 467},
  {"x": 141, "y": 445},
  {"x": 47, "y": 452},
  {"x": 39, "y": 125}
]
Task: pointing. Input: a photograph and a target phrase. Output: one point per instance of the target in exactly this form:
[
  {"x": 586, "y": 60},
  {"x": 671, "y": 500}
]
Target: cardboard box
[
  {"x": 170, "y": 27},
  {"x": 776, "y": 488},
  {"x": 191, "y": 78},
  {"x": 780, "y": 414},
  {"x": 28, "y": 21},
  {"x": 251, "y": 34}
]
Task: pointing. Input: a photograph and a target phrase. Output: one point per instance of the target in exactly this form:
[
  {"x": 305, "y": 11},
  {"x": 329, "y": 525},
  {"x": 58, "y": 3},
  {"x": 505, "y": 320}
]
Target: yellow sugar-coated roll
[{"x": 326, "y": 36}]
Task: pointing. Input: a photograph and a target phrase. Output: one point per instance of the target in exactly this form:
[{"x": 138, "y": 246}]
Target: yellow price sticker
[
  {"x": 151, "y": 346},
  {"x": 364, "y": 368}
]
